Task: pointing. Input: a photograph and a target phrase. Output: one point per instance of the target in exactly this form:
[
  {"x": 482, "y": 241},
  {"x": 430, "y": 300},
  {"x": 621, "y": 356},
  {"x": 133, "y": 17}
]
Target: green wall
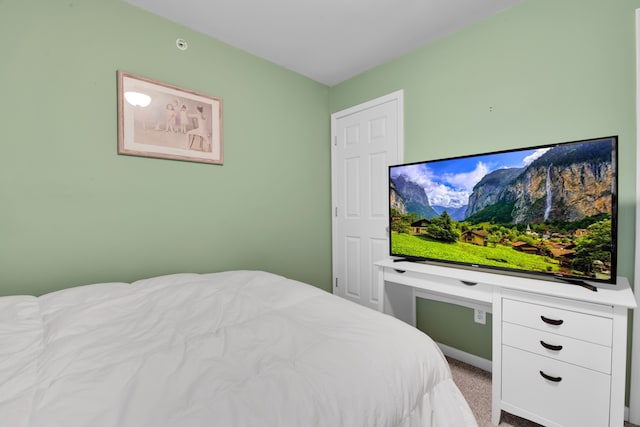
[
  {"x": 541, "y": 72},
  {"x": 73, "y": 211},
  {"x": 453, "y": 325}
]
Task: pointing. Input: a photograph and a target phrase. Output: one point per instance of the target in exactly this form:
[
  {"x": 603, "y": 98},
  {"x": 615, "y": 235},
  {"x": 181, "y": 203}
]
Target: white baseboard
[{"x": 468, "y": 358}]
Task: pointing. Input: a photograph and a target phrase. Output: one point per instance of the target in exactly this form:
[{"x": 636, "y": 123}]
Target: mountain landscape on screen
[{"x": 548, "y": 210}]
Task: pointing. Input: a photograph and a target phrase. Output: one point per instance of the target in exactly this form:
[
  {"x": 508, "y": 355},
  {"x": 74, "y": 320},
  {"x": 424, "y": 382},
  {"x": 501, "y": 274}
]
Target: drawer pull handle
[
  {"x": 550, "y": 378},
  {"x": 551, "y": 346},
  {"x": 552, "y": 321}
]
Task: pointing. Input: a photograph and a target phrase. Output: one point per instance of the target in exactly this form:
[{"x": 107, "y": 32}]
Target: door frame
[
  {"x": 634, "y": 375},
  {"x": 398, "y": 96}
]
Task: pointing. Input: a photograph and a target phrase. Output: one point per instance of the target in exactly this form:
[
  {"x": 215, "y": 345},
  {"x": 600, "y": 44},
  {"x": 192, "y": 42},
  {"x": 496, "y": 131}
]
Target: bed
[{"x": 237, "y": 348}]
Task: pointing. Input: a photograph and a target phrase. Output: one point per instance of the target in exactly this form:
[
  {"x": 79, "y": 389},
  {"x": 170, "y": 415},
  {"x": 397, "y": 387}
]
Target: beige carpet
[{"x": 475, "y": 385}]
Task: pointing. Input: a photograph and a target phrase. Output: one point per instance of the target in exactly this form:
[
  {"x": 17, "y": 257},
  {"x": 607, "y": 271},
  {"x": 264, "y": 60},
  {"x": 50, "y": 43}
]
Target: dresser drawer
[
  {"x": 579, "y": 398},
  {"x": 566, "y": 349},
  {"x": 555, "y": 320}
]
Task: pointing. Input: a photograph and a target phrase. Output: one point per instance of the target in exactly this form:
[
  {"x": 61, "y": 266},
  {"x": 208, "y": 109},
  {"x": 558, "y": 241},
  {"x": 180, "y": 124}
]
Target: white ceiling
[{"x": 326, "y": 40}]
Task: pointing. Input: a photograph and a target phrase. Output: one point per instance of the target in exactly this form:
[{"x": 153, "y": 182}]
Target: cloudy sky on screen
[{"x": 449, "y": 183}]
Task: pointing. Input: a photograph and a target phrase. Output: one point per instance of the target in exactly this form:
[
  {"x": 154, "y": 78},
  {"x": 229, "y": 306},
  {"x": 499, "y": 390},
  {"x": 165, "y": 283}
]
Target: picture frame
[{"x": 161, "y": 120}]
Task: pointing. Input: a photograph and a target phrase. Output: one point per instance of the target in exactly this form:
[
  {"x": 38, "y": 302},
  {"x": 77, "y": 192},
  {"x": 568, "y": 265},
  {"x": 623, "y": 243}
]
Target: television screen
[{"x": 548, "y": 211}]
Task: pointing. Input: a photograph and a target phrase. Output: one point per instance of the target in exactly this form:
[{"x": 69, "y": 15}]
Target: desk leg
[
  {"x": 396, "y": 299},
  {"x": 381, "y": 289},
  {"x": 496, "y": 358}
]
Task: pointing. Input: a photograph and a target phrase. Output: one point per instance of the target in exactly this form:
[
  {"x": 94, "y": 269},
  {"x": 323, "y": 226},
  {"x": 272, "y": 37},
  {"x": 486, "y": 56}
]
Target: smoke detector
[{"x": 182, "y": 44}]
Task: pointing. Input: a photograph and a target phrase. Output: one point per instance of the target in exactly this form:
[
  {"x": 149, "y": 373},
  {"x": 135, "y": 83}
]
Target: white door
[{"x": 366, "y": 139}]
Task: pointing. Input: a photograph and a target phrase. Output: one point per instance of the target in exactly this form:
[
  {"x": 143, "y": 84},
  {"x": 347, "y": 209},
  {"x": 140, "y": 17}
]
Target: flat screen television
[{"x": 548, "y": 211}]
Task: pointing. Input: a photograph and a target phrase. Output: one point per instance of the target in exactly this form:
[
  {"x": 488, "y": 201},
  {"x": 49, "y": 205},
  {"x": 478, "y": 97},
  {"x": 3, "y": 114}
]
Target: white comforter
[{"x": 240, "y": 348}]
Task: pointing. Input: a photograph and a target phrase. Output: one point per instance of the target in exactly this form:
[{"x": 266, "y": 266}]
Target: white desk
[{"x": 545, "y": 400}]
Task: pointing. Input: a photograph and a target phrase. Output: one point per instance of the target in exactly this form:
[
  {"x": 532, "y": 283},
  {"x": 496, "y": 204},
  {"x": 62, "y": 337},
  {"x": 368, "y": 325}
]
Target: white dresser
[
  {"x": 556, "y": 360},
  {"x": 559, "y": 351}
]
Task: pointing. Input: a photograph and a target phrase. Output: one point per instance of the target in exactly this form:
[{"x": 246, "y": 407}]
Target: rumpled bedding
[{"x": 238, "y": 348}]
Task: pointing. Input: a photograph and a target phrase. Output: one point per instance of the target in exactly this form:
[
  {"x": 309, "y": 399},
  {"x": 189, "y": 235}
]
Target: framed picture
[{"x": 161, "y": 120}]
